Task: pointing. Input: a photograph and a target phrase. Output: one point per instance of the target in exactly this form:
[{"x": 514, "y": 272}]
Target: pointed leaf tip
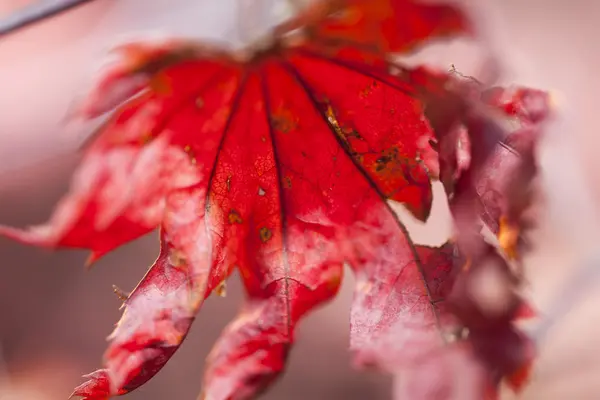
[
  {"x": 97, "y": 387},
  {"x": 92, "y": 258}
]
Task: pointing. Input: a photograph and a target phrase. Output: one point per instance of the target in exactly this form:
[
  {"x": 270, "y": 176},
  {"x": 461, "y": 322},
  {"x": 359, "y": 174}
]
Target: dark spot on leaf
[
  {"x": 381, "y": 163},
  {"x": 353, "y": 133},
  {"x": 221, "y": 289},
  {"x": 387, "y": 160},
  {"x": 235, "y": 217},
  {"x": 434, "y": 144},
  {"x": 190, "y": 152},
  {"x": 265, "y": 234},
  {"x": 284, "y": 121},
  {"x": 287, "y": 182},
  {"x": 368, "y": 90}
]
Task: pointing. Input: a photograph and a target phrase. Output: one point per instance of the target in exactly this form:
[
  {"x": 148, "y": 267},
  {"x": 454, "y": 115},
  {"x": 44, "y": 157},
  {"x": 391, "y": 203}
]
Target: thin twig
[
  {"x": 35, "y": 13},
  {"x": 454, "y": 71}
]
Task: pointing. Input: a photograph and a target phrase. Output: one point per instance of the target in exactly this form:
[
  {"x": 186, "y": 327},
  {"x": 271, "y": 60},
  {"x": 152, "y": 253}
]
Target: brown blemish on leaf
[
  {"x": 343, "y": 133},
  {"x": 261, "y": 191},
  {"x": 265, "y": 234},
  {"x": 368, "y": 90},
  {"x": 287, "y": 182},
  {"x": 190, "y": 152},
  {"x": 221, "y": 289},
  {"x": 228, "y": 183},
  {"x": 177, "y": 258},
  {"x": 352, "y": 133},
  {"x": 199, "y": 102},
  {"x": 235, "y": 217},
  {"x": 387, "y": 161},
  {"x": 284, "y": 121}
]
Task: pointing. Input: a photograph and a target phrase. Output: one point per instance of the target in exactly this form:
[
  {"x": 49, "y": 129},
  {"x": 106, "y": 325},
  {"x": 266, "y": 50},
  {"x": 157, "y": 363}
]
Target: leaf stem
[{"x": 35, "y": 13}]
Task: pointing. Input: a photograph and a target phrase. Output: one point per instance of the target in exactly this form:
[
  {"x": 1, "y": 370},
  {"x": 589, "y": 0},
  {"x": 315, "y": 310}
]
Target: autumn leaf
[
  {"x": 278, "y": 161},
  {"x": 383, "y": 25},
  {"x": 279, "y": 165}
]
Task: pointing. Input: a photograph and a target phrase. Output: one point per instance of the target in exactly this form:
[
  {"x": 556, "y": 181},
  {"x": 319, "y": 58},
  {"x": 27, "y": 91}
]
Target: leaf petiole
[{"x": 29, "y": 15}]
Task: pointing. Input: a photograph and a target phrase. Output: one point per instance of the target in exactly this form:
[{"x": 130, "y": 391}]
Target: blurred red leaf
[
  {"x": 384, "y": 25},
  {"x": 486, "y": 158},
  {"x": 505, "y": 186}
]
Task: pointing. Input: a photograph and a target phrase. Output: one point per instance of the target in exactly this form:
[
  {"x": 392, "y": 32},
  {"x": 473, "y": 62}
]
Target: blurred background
[{"x": 54, "y": 316}]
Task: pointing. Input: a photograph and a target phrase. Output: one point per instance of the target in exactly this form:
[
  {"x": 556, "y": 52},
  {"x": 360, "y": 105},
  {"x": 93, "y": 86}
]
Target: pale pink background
[{"x": 54, "y": 316}]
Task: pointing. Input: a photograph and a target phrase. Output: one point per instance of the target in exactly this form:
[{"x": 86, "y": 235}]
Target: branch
[{"x": 35, "y": 13}]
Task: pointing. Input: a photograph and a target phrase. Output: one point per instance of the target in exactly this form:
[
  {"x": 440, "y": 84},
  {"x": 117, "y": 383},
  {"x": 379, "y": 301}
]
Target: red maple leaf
[
  {"x": 383, "y": 25},
  {"x": 268, "y": 165},
  {"x": 277, "y": 161}
]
